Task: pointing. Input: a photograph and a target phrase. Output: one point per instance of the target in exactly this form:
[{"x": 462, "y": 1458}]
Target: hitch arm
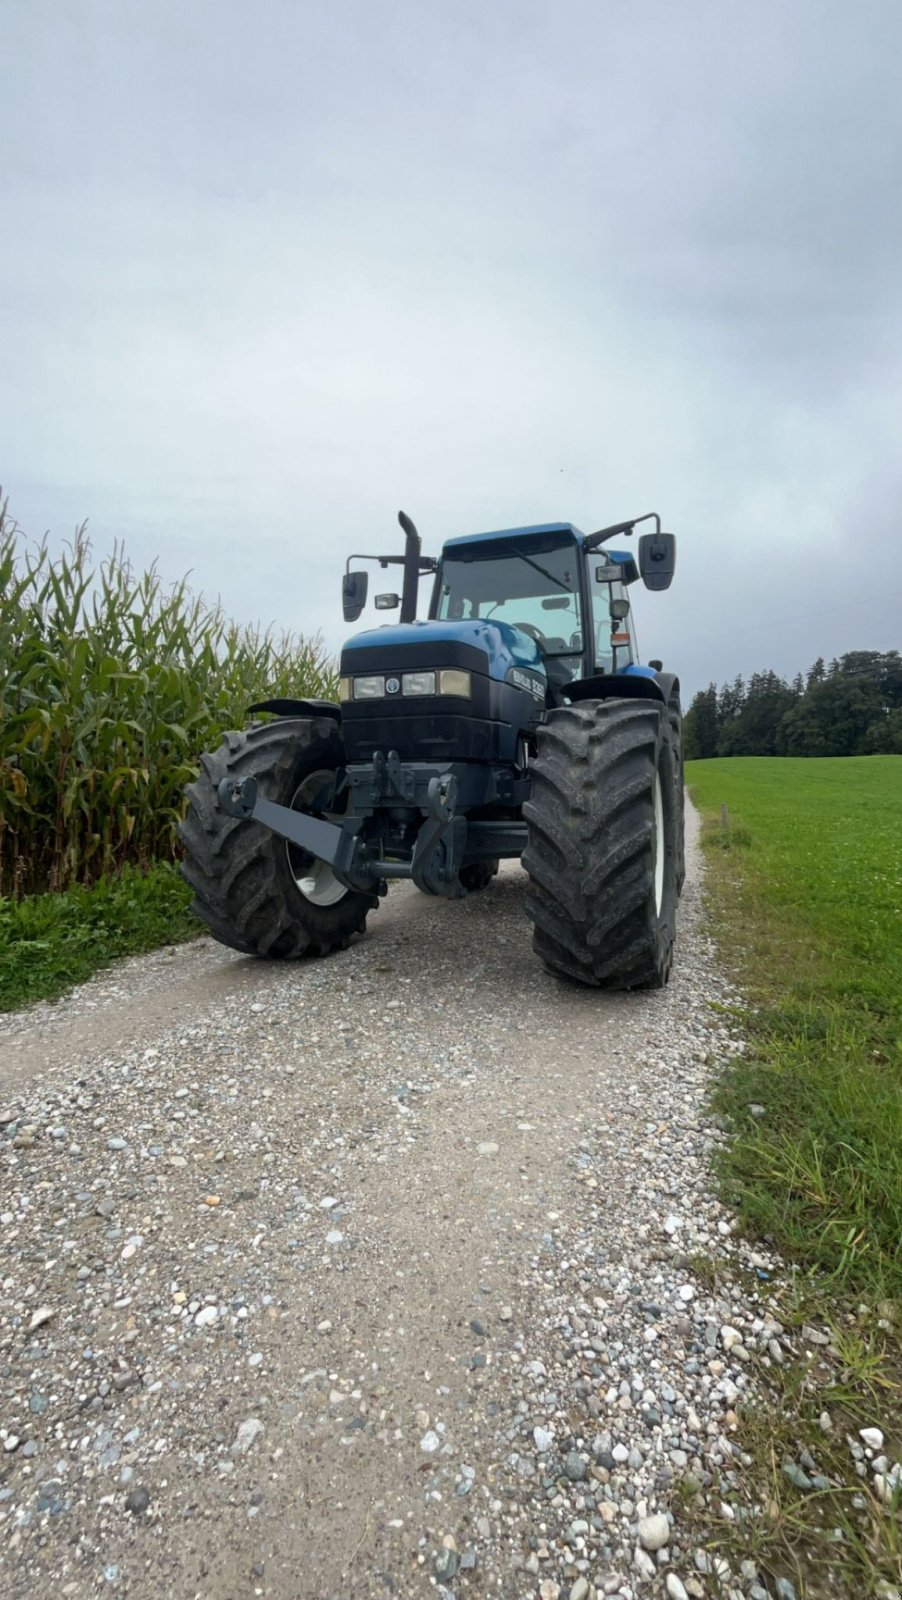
[{"x": 338, "y": 845}]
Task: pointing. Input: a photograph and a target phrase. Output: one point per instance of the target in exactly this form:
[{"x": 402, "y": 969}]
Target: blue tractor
[{"x": 514, "y": 722}]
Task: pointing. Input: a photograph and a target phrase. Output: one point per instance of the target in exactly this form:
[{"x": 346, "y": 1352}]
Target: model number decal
[{"x": 524, "y": 681}]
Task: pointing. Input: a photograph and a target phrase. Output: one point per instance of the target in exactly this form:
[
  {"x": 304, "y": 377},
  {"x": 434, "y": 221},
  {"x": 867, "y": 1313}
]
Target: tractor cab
[
  {"x": 537, "y": 581},
  {"x": 548, "y": 586},
  {"x": 529, "y": 579}
]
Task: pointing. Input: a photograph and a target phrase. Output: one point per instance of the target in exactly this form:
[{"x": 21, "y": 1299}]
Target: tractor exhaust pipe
[{"x": 410, "y": 592}]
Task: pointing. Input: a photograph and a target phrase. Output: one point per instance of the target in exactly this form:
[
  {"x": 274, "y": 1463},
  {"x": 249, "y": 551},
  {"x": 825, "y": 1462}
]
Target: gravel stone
[
  {"x": 423, "y": 1123},
  {"x": 796, "y": 1475},
  {"x": 873, "y": 1438},
  {"x": 654, "y": 1532},
  {"x": 675, "y": 1587},
  {"x": 248, "y": 1433}
]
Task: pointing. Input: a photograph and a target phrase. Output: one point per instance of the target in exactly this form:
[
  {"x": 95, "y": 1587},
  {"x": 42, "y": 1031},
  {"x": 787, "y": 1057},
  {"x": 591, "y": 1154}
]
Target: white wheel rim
[
  {"x": 317, "y": 882},
  {"x": 659, "y": 845},
  {"x": 321, "y": 887}
]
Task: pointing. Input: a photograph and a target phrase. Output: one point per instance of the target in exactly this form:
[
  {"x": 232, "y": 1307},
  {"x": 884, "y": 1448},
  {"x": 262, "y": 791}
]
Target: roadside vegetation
[
  {"x": 805, "y": 887},
  {"x": 49, "y": 942},
  {"x": 111, "y": 685}
]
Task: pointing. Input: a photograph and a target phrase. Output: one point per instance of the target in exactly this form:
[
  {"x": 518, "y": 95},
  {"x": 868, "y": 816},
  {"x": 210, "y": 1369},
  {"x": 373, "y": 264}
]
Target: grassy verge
[
  {"x": 805, "y": 890},
  {"x": 51, "y": 941}
]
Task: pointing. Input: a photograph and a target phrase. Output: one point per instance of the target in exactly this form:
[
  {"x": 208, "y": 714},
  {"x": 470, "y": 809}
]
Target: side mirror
[
  {"x": 387, "y": 602},
  {"x": 657, "y": 559},
  {"x": 353, "y": 594},
  {"x": 620, "y": 610}
]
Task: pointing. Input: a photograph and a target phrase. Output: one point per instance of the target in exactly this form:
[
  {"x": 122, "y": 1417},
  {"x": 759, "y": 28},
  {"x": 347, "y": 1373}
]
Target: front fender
[
  {"x": 670, "y": 686},
  {"x": 615, "y": 686},
  {"x": 298, "y": 708}
]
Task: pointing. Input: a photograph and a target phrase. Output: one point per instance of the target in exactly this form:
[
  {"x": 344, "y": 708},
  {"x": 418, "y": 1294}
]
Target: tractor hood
[
  {"x": 500, "y": 645},
  {"x": 441, "y": 691}
]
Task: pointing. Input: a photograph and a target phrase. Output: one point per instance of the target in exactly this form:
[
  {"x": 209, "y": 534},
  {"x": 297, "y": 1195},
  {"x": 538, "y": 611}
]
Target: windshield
[{"x": 531, "y": 587}]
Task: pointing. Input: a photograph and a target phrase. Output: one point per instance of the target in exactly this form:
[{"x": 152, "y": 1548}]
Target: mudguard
[
  {"x": 616, "y": 686},
  {"x": 298, "y": 708},
  {"x": 670, "y": 685}
]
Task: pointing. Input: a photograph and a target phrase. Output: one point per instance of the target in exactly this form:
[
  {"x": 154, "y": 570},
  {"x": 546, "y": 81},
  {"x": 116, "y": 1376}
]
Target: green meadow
[
  {"x": 805, "y": 881},
  {"x": 804, "y": 887}
]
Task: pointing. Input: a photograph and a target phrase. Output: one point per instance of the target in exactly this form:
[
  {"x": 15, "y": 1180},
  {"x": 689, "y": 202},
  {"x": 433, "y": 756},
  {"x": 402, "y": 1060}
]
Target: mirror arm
[
  {"x": 383, "y": 560},
  {"x": 626, "y": 528}
]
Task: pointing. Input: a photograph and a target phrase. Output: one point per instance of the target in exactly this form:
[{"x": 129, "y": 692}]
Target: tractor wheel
[
  {"x": 601, "y": 849},
  {"x": 256, "y": 892},
  {"x": 675, "y": 731},
  {"x": 478, "y": 875}
]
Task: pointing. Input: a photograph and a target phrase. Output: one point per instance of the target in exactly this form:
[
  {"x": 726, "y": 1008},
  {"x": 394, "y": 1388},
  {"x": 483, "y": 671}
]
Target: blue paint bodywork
[
  {"x": 504, "y": 645},
  {"x": 514, "y": 533}
]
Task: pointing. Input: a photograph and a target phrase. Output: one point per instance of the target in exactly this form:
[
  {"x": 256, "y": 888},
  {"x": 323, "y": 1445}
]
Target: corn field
[{"x": 110, "y": 687}]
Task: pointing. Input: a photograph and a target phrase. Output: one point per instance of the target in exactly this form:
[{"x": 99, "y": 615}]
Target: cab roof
[{"x": 535, "y": 529}]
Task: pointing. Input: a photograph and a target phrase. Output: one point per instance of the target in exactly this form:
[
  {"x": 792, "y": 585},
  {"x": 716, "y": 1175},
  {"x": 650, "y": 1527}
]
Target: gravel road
[{"x": 371, "y": 1276}]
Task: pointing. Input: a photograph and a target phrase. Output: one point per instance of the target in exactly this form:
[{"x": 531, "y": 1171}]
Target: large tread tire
[
  {"x": 592, "y": 844},
  {"x": 241, "y": 873},
  {"x": 478, "y": 875},
  {"x": 675, "y": 730}
]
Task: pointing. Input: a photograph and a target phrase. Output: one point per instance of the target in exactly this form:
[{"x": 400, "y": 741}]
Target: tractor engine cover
[{"x": 463, "y": 691}]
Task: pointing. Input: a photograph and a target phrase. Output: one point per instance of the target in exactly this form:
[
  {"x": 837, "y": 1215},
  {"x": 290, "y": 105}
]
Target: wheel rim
[
  {"x": 659, "y": 845},
  {"x": 314, "y": 878}
]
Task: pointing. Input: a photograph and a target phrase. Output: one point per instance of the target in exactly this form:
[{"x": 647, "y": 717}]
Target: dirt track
[{"x": 351, "y": 1202}]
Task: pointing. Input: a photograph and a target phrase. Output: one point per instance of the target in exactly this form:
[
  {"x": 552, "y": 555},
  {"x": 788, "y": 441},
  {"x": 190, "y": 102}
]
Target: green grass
[
  {"x": 806, "y": 883},
  {"x": 51, "y": 941},
  {"x": 804, "y": 886}
]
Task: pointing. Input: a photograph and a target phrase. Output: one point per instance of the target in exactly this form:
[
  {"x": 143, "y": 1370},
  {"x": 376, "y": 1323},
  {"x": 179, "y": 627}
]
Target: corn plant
[{"x": 111, "y": 685}]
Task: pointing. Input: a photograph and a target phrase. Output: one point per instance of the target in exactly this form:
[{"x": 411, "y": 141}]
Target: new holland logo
[{"x": 392, "y": 685}]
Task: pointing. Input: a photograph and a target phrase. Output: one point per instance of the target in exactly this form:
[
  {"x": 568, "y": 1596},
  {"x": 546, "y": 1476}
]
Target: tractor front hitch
[
  {"x": 338, "y": 844},
  {"x": 437, "y": 856}
]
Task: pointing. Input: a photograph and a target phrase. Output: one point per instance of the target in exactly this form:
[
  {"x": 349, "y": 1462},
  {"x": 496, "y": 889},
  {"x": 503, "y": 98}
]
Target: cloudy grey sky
[{"x": 272, "y": 270}]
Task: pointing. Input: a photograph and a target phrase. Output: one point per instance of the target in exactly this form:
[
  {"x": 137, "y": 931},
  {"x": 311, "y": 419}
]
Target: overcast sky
[{"x": 271, "y": 271}]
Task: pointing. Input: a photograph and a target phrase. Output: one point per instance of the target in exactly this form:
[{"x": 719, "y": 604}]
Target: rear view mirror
[
  {"x": 387, "y": 602},
  {"x": 657, "y": 559},
  {"x": 556, "y": 602},
  {"x": 353, "y": 594}
]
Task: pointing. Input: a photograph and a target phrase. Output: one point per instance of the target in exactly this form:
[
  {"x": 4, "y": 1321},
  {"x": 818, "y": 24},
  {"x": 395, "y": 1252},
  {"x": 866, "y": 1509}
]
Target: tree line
[{"x": 853, "y": 707}]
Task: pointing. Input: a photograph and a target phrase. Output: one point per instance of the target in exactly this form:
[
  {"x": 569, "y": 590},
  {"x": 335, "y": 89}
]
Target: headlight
[
  {"x": 369, "y": 688},
  {"x": 345, "y": 691},
  {"x": 452, "y": 681},
  {"x": 418, "y": 683}
]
